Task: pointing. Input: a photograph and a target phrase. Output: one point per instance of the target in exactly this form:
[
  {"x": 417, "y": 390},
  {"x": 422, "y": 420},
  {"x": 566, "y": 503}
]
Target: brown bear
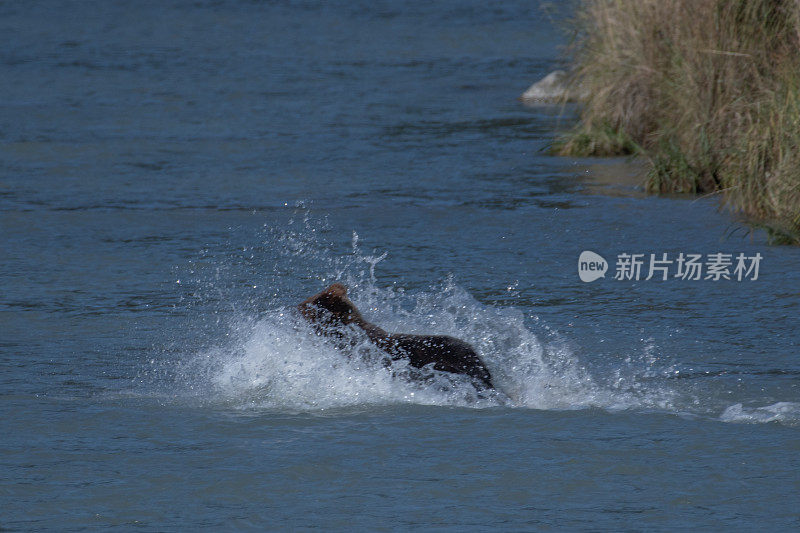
[{"x": 331, "y": 309}]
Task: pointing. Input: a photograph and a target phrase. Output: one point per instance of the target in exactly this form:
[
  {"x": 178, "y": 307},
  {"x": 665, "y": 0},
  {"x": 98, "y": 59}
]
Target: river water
[{"x": 175, "y": 177}]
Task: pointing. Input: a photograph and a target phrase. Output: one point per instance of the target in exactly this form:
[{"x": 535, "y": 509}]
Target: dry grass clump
[{"x": 707, "y": 90}]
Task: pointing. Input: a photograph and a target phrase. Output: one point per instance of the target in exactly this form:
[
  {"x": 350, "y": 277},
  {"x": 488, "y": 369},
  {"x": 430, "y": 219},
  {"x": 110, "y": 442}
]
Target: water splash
[
  {"x": 272, "y": 359},
  {"x": 371, "y": 260},
  {"x": 785, "y": 412}
]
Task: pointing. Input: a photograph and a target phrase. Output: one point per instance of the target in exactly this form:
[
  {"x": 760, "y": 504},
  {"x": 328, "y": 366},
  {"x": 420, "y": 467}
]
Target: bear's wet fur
[{"x": 331, "y": 309}]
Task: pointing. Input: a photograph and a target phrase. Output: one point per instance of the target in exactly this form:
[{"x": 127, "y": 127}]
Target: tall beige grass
[{"x": 707, "y": 90}]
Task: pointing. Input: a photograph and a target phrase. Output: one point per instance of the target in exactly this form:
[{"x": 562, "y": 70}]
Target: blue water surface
[{"x": 176, "y": 176}]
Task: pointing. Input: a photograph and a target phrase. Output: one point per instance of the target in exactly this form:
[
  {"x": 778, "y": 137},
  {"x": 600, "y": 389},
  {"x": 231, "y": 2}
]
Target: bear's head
[{"x": 330, "y": 308}]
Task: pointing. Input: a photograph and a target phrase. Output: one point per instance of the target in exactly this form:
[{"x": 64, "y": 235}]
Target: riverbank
[{"x": 711, "y": 99}]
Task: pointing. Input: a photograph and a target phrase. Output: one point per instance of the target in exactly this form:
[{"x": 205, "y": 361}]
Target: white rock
[{"x": 551, "y": 88}]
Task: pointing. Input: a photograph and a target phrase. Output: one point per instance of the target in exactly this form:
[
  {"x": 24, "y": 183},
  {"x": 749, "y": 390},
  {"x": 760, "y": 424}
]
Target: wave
[
  {"x": 272, "y": 359},
  {"x": 785, "y": 412}
]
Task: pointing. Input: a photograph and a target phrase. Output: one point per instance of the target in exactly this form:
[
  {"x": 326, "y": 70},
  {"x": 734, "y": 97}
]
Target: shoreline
[{"x": 711, "y": 103}]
